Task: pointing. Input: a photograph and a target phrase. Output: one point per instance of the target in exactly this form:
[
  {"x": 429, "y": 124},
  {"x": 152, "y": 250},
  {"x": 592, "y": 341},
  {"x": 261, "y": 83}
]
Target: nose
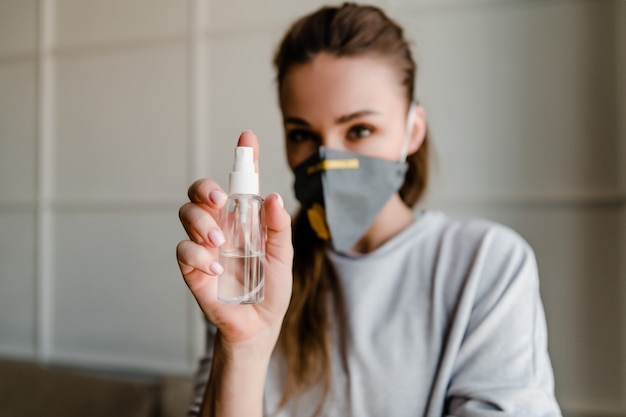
[
  {"x": 300, "y": 153},
  {"x": 332, "y": 141}
]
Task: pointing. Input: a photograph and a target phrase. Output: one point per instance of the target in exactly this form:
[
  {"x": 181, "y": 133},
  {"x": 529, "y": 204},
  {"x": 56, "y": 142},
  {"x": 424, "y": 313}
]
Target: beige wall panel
[
  {"x": 18, "y": 23},
  {"x": 83, "y": 22},
  {"x": 121, "y": 124},
  {"x": 447, "y": 4},
  {"x": 518, "y": 97},
  {"x": 17, "y": 283},
  {"x": 238, "y": 15},
  {"x": 118, "y": 298},
  {"x": 18, "y": 116}
]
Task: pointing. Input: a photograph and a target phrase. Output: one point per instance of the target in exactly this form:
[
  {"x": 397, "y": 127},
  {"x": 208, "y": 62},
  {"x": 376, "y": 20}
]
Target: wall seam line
[
  {"x": 620, "y": 105},
  {"x": 44, "y": 230}
]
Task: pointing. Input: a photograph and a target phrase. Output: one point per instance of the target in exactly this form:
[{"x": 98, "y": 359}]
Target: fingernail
[
  {"x": 280, "y": 201},
  {"x": 216, "y": 237},
  {"x": 216, "y": 196},
  {"x": 216, "y": 268}
]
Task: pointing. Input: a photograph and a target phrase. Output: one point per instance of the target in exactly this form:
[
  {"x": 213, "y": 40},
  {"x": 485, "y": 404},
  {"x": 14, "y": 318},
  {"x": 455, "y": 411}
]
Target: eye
[
  {"x": 359, "y": 131},
  {"x": 301, "y": 135}
]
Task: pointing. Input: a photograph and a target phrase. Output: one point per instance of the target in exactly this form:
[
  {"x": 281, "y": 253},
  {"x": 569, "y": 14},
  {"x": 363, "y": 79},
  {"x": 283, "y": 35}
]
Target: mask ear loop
[{"x": 410, "y": 120}]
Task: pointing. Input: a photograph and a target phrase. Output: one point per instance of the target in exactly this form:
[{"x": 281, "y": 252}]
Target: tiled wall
[
  {"x": 109, "y": 109},
  {"x": 95, "y": 162}
]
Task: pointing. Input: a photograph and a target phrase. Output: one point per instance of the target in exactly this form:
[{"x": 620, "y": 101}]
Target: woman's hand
[{"x": 252, "y": 327}]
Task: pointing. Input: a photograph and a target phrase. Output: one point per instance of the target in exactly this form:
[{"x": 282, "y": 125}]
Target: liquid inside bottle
[
  {"x": 241, "y": 282},
  {"x": 242, "y": 255}
]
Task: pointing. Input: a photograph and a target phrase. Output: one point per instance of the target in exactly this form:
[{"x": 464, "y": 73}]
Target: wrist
[
  {"x": 237, "y": 379},
  {"x": 240, "y": 354}
]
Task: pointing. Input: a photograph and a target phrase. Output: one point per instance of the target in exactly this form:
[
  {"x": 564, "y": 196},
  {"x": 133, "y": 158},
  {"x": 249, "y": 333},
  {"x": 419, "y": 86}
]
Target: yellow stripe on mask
[{"x": 333, "y": 164}]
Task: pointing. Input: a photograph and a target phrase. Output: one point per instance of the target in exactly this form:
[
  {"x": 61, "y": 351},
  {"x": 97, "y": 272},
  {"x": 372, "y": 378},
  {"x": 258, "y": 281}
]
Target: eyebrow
[
  {"x": 355, "y": 115},
  {"x": 340, "y": 120},
  {"x": 296, "y": 121}
]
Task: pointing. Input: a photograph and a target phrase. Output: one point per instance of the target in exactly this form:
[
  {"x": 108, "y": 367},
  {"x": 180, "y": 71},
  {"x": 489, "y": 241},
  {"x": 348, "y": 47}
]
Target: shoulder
[
  {"x": 474, "y": 237},
  {"x": 478, "y": 256},
  {"x": 486, "y": 273},
  {"x": 470, "y": 229},
  {"x": 496, "y": 326}
]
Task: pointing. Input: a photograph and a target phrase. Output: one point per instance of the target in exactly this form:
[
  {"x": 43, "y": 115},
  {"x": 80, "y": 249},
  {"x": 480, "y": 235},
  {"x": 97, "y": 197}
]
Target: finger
[
  {"x": 207, "y": 191},
  {"x": 199, "y": 270},
  {"x": 196, "y": 262},
  {"x": 248, "y": 138},
  {"x": 200, "y": 225}
]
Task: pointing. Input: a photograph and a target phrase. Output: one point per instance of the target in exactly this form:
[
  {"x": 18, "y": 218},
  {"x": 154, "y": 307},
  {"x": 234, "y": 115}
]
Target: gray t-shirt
[{"x": 444, "y": 319}]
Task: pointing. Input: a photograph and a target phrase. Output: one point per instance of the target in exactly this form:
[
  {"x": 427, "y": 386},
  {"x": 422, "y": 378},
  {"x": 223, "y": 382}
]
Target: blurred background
[{"x": 109, "y": 109}]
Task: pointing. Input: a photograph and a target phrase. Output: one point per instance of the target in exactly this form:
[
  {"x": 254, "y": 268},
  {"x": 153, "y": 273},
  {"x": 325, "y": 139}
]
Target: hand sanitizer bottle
[{"x": 243, "y": 253}]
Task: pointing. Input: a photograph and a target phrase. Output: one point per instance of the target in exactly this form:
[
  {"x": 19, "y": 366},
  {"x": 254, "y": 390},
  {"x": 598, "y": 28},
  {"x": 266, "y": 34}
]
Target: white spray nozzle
[
  {"x": 244, "y": 159},
  {"x": 243, "y": 179}
]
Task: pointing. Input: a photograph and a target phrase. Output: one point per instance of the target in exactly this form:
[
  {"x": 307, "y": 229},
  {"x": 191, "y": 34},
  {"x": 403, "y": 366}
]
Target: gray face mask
[{"x": 343, "y": 192}]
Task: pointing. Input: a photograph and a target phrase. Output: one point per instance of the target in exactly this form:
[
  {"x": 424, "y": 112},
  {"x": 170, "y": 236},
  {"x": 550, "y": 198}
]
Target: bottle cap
[{"x": 243, "y": 179}]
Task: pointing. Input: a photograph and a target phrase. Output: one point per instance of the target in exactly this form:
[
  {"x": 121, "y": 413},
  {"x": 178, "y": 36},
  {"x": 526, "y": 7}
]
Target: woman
[{"x": 393, "y": 312}]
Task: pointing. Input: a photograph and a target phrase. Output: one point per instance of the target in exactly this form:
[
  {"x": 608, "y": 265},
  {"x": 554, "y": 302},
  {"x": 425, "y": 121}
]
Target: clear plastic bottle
[{"x": 243, "y": 253}]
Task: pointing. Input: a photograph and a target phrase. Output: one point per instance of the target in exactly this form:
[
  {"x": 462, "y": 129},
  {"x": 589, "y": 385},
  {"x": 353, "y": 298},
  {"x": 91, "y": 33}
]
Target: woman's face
[{"x": 352, "y": 104}]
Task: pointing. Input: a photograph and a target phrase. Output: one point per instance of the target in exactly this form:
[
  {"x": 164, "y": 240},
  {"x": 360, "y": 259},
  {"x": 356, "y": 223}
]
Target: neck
[{"x": 393, "y": 218}]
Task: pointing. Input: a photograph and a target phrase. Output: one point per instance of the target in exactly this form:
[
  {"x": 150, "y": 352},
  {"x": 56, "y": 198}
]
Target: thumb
[
  {"x": 278, "y": 253},
  {"x": 279, "y": 247}
]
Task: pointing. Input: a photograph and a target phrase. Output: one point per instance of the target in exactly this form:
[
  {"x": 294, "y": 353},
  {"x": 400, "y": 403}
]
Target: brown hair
[{"x": 346, "y": 30}]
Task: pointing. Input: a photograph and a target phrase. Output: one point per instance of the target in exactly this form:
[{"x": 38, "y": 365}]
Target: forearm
[{"x": 236, "y": 382}]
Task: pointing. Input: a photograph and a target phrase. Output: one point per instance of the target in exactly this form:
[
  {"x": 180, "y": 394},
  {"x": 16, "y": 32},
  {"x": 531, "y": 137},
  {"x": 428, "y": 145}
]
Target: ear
[{"x": 418, "y": 129}]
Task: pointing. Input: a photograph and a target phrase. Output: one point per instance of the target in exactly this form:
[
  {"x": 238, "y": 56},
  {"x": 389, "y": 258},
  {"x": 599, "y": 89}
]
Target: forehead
[{"x": 337, "y": 83}]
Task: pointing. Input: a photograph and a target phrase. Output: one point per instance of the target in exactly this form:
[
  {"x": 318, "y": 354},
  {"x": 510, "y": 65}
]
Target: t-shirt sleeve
[
  {"x": 502, "y": 367},
  {"x": 203, "y": 370}
]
